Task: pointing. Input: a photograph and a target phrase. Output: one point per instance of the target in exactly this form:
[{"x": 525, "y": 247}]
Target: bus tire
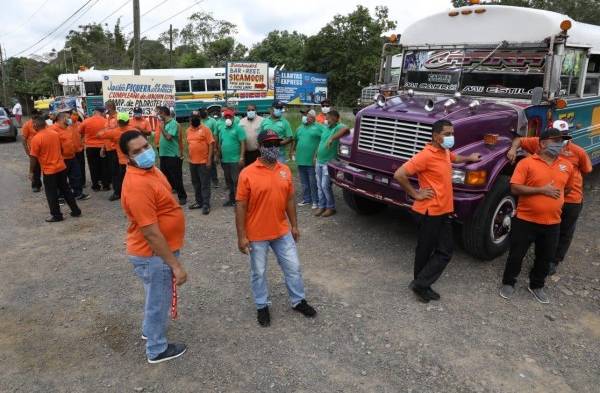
[
  {"x": 362, "y": 205},
  {"x": 486, "y": 234}
]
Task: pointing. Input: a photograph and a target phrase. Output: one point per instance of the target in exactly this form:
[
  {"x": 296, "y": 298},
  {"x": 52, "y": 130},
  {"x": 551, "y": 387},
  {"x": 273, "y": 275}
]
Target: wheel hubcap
[{"x": 502, "y": 220}]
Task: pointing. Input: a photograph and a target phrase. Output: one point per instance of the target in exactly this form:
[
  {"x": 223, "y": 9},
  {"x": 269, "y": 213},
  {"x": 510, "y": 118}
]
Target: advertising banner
[
  {"x": 247, "y": 76},
  {"x": 300, "y": 88},
  {"x": 146, "y": 92}
]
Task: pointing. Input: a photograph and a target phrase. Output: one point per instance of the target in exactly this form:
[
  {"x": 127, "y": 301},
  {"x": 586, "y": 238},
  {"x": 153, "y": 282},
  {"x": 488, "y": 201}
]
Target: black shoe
[
  {"x": 552, "y": 268},
  {"x": 114, "y": 197},
  {"x": 195, "y": 206},
  {"x": 205, "y": 210},
  {"x": 54, "y": 219},
  {"x": 182, "y": 201},
  {"x": 305, "y": 309},
  {"x": 76, "y": 213},
  {"x": 61, "y": 201},
  {"x": 433, "y": 295},
  {"x": 105, "y": 188},
  {"x": 263, "y": 316},
  {"x": 96, "y": 188},
  {"x": 229, "y": 203},
  {"x": 83, "y": 197},
  {"x": 173, "y": 351},
  {"x": 215, "y": 184},
  {"x": 420, "y": 292},
  {"x": 36, "y": 189}
]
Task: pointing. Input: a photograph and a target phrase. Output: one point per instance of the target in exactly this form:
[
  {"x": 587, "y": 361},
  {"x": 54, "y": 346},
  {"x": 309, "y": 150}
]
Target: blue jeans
[
  {"x": 309, "y": 183},
  {"x": 326, "y": 200},
  {"x": 287, "y": 257},
  {"x": 157, "y": 278}
]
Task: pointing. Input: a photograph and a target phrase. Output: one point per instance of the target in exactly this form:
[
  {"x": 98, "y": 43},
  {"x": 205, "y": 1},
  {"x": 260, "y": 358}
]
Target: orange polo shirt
[
  {"x": 111, "y": 122},
  {"x": 46, "y": 148},
  {"x": 113, "y": 135},
  {"x": 66, "y": 142},
  {"x": 199, "y": 140},
  {"x": 532, "y": 171},
  {"x": 141, "y": 124},
  {"x": 433, "y": 167},
  {"x": 90, "y": 128},
  {"x": 146, "y": 199},
  {"x": 321, "y": 118},
  {"x": 266, "y": 191},
  {"x": 573, "y": 153},
  {"x": 28, "y": 131},
  {"x": 77, "y": 137}
]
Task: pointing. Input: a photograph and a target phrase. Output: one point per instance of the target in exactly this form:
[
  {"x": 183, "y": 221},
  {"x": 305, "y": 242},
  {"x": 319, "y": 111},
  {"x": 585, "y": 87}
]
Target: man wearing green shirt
[
  {"x": 276, "y": 122},
  {"x": 306, "y": 142},
  {"x": 327, "y": 151},
  {"x": 170, "y": 154},
  {"x": 231, "y": 142},
  {"x": 211, "y": 123}
]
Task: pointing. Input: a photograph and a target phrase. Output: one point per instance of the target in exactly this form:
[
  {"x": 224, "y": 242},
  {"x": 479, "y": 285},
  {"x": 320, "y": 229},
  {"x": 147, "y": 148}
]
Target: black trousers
[
  {"x": 171, "y": 167},
  {"x": 97, "y": 167},
  {"x": 74, "y": 176},
  {"x": 524, "y": 233},
  {"x": 568, "y": 223},
  {"x": 55, "y": 184},
  {"x": 36, "y": 182},
  {"x": 435, "y": 246},
  {"x": 251, "y": 156},
  {"x": 200, "y": 175},
  {"x": 231, "y": 171},
  {"x": 118, "y": 179},
  {"x": 112, "y": 167},
  {"x": 80, "y": 156},
  {"x": 213, "y": 171}
]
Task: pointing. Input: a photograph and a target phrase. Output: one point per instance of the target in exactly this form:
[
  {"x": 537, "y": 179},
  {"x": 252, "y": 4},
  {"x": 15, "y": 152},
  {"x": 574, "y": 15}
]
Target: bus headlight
[
  {"x": 344, "y": 150},
  {"x": 470, "y": 178},
  {"x": 458, "y": 176},
  {"x": 380, "y": 100}
]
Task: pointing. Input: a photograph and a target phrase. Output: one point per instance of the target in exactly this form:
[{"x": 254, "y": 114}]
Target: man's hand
[
  {"x": 474, "y": 157},
  {"x": 180, "y": 275},
  {"x": 242, "y": 162},
  {"x": 511, "y": 154},
  {"x": 244, "y": 245},
  {"x": 424, "y": 193},
  {"x": 550, "y": 190},
  {"x": 102, "y": 152},
  {"x": 329, "y": 143},
  {"x": 296, "y": 234}
]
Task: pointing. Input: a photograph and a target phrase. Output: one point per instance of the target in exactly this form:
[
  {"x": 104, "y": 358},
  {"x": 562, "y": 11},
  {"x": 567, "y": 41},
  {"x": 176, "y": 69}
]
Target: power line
[
  {"x": 22, "y": 24},
  {"x": 115, "y": 11},
  {"x": 172, "y": 16},
  {"x": 53, "y": 31},
  {"x": 149, "y": 11}
]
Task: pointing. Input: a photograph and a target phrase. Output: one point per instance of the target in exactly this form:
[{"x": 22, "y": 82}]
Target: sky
[{"x": 25, "y": 22}]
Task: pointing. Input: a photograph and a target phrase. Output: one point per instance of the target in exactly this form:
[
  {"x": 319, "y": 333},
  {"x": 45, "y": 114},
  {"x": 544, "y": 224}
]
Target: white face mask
[
  {"x": 325, "y": 109},
  {"x": 49, "y": 122},
  {"x": 228, "y": 122}
]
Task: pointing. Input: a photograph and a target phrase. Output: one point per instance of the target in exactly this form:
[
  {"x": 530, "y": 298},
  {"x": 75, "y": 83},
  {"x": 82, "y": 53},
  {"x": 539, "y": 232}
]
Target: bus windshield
[{"x": 506, "y": 73}]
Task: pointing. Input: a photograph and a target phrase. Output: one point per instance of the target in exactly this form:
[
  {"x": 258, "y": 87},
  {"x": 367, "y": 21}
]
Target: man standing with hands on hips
[
  {"x": 154, "y": 240},
  {"x": 266, "y": 218},
  {"x": 433, "y": 206}
]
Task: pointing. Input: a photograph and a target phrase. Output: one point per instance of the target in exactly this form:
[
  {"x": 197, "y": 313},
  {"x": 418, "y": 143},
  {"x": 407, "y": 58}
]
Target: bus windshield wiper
[{"x": 503, "y": 44}]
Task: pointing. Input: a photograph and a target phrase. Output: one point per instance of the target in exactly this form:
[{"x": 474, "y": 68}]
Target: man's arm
[
  {"x": 210, "y": 154},
  {"x": 242, "y": 151},
  {"x": 290, "y": 210},
  {"x": 470, "y": 158},
  {"x": 159, "y": 245},
  {"x": 32, "y": 164},
  {"x": 548, "y": 190},
  {"x": 168, "y": 136},
  {"x": 25, "y": 147},
  {"x": 337, "y": 136},
  {"x": 512, "y": 152},
  {"x": 401, "y": 176},
  {"x": 241, "y": 208}
]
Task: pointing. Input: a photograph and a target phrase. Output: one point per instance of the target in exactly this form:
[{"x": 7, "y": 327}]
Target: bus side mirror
[{"x": 536, "y": 95}]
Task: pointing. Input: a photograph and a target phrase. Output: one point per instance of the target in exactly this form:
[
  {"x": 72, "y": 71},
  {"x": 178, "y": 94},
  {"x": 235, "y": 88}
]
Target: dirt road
[{"x": 71, "y": 309}]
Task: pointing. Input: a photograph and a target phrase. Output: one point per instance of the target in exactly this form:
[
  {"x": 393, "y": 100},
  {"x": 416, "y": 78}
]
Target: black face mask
[{"x": 195, "y": 121}]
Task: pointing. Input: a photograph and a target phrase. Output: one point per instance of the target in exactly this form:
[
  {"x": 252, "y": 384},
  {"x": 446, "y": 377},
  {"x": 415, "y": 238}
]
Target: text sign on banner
[
  {"x": 146, "y": 92},
  {"x": 300, "y": 88},
  {"x": 247, "y": 76}
]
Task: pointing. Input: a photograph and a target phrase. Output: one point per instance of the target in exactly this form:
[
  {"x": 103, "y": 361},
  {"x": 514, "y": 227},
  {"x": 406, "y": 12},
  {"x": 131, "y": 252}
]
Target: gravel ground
[{"x": 71, "y": 309}]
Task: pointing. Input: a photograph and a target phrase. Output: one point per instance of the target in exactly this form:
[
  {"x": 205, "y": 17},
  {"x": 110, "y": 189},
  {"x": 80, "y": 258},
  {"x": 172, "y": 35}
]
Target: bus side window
[
  {"x": 592, "y": 79},
  {"x": 213, "y": 85},
  {"x": 182, "y": 86},
  {"x": 198, "y": 85},
  {"x": 224, "y": 84}
]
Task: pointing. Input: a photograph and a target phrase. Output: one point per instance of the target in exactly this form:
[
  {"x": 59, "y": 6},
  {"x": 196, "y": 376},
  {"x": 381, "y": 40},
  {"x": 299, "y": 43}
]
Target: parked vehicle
[
  {"x": 495, "y": 72},
  {"x": 8, "y": 125}
]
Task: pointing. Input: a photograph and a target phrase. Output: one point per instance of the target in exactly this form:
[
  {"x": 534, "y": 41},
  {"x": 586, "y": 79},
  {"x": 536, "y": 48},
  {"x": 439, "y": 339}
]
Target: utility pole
[
  {"x": 170, "y": 46},
  {"x": 137, "y": 53},
  {"x": 4, "y": 93}
]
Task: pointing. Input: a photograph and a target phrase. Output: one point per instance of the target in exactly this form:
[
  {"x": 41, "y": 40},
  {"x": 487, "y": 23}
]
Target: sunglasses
[{"x": 271, "y": 144}]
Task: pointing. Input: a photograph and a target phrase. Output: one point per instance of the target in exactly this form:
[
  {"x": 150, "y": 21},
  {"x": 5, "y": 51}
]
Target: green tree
[
  {"x": 202, "y": 29},
  {"x": 222, "y": 50},
  {"x": 192, "y": 60},
  {"x": 347, "y": 49},
  {"x": 154, "y": 54},
  {"x": 279, "y": 48}
]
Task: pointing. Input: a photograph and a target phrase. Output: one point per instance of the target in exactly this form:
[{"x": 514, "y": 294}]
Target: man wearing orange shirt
[
  {"x": 154, "y": 238},
  {"x": 138, "y": 122},
  {"x": 582, "y": 165},
  {"x": 325, "y": 108},
  {"x": 433, "y": 206},
  {"x": 265, "y": 211},
  {"x": 541, "y": 182},
  {"x": 28, "y": 133},
  {"x": 201, "y": 146},
  {"x": 45, "y": 149},
  {"x": 78, "y": 141},
  {"x": 112, "y": 135},
  {"x": 110, "y": 148},
  {"x": 63, "y": 125},
  {"x": 93, "y": 146}
]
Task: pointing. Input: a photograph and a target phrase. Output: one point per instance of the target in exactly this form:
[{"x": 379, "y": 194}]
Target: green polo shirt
[
  {"x": 307, "y": 141},
  {"x": 211, "y": 123},
  {"x": 170, "y": 148},
  {"x": 230, "y": 139},
  {"x": 281, "y": 126},
  {"x": 324, "y": 154}
]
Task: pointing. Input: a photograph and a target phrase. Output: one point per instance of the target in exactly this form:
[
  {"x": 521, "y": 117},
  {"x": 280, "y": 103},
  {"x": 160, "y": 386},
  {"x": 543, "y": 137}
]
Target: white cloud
[{"x": 253, "y": 18}]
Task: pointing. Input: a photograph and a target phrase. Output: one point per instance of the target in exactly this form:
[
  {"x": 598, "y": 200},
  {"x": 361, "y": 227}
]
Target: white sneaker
[
  {"x": 303, "y": 203},
  {"x": 315, "y": 206}
]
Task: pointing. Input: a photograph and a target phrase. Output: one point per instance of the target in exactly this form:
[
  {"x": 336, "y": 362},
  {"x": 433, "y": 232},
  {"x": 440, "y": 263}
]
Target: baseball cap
[
  {"x": 278, "y": 104},
  {"x": 561, "y": 125},
  {"x": 552, "y": 133},
  {"x": 137, "y": 110},
  {"x": 326, "y": 102},
  {"x": 309, "y": 112},
  {"x": 268, "y": 135},
  {"x": 122, "y": 116},
  {"x": 228, "y": 113}
]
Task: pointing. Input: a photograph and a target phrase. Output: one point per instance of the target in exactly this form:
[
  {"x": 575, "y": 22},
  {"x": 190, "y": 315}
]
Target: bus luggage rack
[{"x": 392, "y": 137}]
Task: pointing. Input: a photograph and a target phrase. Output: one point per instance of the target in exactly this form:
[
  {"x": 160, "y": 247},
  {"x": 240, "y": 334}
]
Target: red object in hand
[{"x": 174, "y": 301}]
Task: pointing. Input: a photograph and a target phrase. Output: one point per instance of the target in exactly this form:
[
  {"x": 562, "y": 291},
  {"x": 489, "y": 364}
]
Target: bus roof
[{"x": 516, "y": 25}]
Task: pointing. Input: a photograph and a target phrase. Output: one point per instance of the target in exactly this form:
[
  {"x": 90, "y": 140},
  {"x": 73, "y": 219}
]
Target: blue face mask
[
  {"x": 251, "y": 114},
  {"x": 145, "y": 159},
  {"x": 304, "y": 119},
  {"x": 448, "y": 142},
  {"x": 277, "y": 112},
  {"x": 69, "y": 122}
]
